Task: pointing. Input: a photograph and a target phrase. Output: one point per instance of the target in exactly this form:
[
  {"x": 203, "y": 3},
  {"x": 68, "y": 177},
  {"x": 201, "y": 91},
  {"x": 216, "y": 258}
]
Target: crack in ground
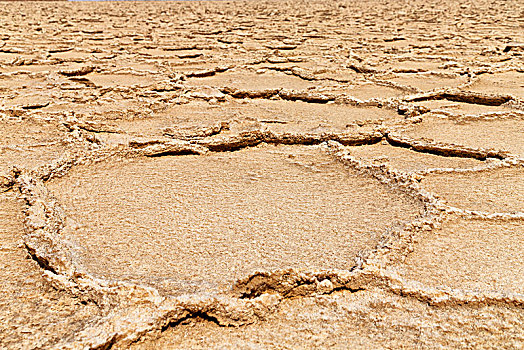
[
  {"x": 441, "y": 149},
  {"x": 463, "y": 96}
]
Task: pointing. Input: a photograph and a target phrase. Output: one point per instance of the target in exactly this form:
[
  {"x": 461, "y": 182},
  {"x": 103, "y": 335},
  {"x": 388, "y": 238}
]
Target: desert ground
[{"x": 262, "y": 175}]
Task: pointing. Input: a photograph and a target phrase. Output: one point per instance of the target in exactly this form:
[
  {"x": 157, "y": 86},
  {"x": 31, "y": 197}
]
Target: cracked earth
[{"x": 262, "y": 174}]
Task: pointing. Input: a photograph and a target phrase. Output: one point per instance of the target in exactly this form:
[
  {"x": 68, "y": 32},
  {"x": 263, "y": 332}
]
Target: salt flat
[{"x": 261, "y": 174}]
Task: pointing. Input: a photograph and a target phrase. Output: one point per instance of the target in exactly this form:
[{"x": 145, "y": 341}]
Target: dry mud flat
[{"x": 276, "y": 174}]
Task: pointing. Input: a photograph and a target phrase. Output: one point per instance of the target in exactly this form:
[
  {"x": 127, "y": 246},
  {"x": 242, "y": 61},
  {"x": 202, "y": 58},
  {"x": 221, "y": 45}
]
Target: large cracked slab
[
  {"x": 500, "y": 134},
  {"x": 194, "y": 223},
  {"x": 191, "y": 120},
  {"x": 463, "y": 108},
  {"x": 500, "y": 190},
  {"x": 118, "y": 80},
  {"x": 366, "y": 90},
  {"x": 282, "y": 115},
  {"x": 426, "y": 82},
  {"x": 253, "y": 81},
  {"x": 511, "y": 83},
  {"x": 473, "y": 255}
]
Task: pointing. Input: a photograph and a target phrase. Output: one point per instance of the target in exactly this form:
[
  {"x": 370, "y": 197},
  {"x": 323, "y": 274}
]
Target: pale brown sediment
[{"x": 275, "y": 174}]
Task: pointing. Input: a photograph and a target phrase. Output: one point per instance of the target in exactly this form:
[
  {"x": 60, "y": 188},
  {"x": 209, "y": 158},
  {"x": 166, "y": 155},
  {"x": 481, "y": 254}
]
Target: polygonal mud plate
[
  {"x": 511, "y": 82},
  {"x": 426, "y": 82},
  {"x": 408, "y": 160},
  {"x": 493, "y": 191},
  {"x": 32, "y": 143},
  {"x": 253, "y": 81},
  {"x": 198, "y": 223},
  {"x": 500, "y": 134},
  {"x": 471, "y": 255}
]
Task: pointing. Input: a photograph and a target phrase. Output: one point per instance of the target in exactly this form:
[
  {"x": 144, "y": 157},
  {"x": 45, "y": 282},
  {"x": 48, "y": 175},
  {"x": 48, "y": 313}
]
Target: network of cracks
[
  {"x": 228, "y": 226},
  {"x": 236, "y": 190}
]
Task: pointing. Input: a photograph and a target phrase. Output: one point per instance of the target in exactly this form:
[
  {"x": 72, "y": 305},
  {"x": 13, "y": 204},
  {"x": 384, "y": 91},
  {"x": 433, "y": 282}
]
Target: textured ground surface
[{"x": 262, "y": 174}]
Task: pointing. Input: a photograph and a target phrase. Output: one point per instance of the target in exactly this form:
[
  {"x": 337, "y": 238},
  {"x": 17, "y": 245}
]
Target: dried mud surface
[
  {"x": 262, "y": 174},
  {"x": 206, "y": 221}
]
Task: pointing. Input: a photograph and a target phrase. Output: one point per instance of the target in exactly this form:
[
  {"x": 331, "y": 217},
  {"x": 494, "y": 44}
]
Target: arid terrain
[{"x": 262, "y": 175}]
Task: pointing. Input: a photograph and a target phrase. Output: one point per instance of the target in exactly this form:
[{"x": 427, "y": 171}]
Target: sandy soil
[{"x": 262, "y": 175}]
